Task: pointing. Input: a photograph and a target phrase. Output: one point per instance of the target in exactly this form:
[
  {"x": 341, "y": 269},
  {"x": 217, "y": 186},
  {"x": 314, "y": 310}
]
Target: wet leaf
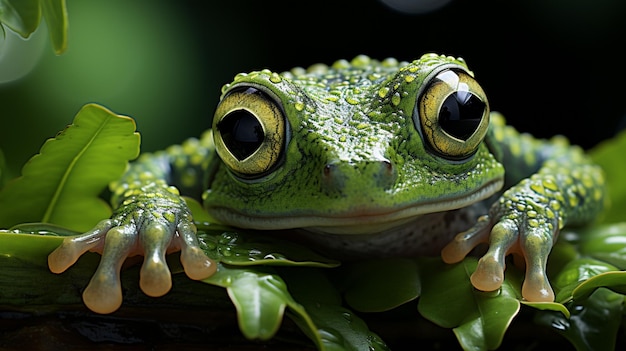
[
  {"x": 244, "y": 249},
  {"x": 593, "y": 324},
  {"x": 479, "y": 319},
  {"x": 576, "y": 273}
]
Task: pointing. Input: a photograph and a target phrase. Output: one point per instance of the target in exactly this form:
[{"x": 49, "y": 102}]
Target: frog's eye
[
  {"x": 249, "y": 131},
  {"x": 453, "y": 114}
]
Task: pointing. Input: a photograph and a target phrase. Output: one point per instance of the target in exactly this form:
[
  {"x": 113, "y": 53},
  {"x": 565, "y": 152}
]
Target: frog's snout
[{"x": 359, "y": 177}]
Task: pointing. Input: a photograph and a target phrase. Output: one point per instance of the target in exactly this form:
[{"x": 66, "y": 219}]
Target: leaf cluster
[{"x": 267, "y": 279}]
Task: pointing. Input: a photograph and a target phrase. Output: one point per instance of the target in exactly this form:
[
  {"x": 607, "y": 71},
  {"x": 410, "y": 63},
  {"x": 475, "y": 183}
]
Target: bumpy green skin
[{"x": 355, "y": 164}]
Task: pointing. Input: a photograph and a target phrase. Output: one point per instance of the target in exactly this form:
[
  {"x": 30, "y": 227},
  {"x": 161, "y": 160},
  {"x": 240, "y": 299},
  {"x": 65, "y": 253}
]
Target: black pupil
[
  {"x": 461, "y": 114},
  {"x": 242, "y": 133}
]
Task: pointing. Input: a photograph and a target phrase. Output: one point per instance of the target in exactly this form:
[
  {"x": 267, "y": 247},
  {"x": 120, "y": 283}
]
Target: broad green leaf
[
  {"x": 61, "y": 184},
  {"x": 260, "y": 299},
  {"x": 380, "y": 285},
  {"x": 245, "y": 249},
  {"x": 610, "y": 155},
  {"x": 55, "y": 13},
  {"x": 575, "y": 273},
  {"x": 593, "y": 324},
  {"x": 22, "y": 16},
  {"x": 479, "y": 319},
  {"x": 322, "y": 317}
]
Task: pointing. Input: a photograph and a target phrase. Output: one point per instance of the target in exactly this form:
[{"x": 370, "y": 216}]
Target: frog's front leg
[
  {"x": 526, "y": 220},
  {"x": 151, "y": 220}
]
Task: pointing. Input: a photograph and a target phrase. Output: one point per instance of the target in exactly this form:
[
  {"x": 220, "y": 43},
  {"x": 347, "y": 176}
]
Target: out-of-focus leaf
[
  {"x": 380, "y": 285},
  {"x": 237, "y": 248},
  {"x": 2, "y": 160},
  {"x": 479, "y": 319},
  {"x": 55, "y": 13},
  {"x": 22, "y": 16},
  {"x": 610, "y": 155},
  {"x": 593, "y": 324},
  {"x": 61, "y": 184},
  {"x": 605, "y": 242}
]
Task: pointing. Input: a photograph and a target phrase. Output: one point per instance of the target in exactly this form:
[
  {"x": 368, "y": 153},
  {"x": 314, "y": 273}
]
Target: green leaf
[
  {"x": 260, "y": 299},
  {"x": 27, "y": 247},
  {"x": 479, "y": 319},
  {"x": 322, "y": 317},
  {"x": 55, "y": 13},
  {"x": 615, "y": 281},
  {"x": 243, "y": 249},
  {"x": 606, "y": 243},
  {"x": 575, "y": 273},
  {"x": 380, "y": 285},
  {"x": 61, "y": 184},
  {"x": 22, "y": 16},
  {"x": 593, "y": 324},
  {"x": 610, "y": 155}
]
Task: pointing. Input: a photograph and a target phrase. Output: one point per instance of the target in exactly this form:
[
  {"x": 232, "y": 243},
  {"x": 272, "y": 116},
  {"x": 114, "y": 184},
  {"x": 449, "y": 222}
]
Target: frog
[{"x": 362, "y": 158}]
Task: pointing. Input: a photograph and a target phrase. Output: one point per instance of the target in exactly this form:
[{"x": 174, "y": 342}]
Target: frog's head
[{"x": 357, "y": 147}]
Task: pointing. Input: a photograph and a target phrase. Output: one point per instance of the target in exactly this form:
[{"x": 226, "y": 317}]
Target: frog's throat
[{"x": 368, "y": 219}]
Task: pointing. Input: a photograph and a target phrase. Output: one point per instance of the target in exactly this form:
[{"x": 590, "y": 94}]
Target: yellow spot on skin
[
  {"x": 382, "y": 92},
  {"x": 538, "y": 188},
  {"x": 275, "y": 78},
  {"x": 409, "y": 78},
  {"x": 549, "y": 183},
  {"x": 395, "y": 99},
  {"x": 298, "y": 106},
  {"x": 351, "y": 100},
  {"x": 342, "y": 138}
]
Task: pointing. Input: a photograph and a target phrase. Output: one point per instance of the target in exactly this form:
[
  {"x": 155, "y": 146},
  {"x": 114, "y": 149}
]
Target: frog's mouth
[{"x": 365, "y": 219}]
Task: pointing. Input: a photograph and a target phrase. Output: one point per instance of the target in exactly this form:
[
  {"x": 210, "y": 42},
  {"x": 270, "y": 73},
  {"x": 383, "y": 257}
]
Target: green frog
[{"x": 363, "y": 159}]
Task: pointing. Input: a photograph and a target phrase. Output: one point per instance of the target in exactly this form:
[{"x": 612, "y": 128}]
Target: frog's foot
[
  {"x": 104, "y": 292},
  {"x": 506, "y": 237}
]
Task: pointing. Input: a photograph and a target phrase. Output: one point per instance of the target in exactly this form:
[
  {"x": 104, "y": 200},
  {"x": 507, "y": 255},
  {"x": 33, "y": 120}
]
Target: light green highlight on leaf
[{"x": 61, "y": 184}]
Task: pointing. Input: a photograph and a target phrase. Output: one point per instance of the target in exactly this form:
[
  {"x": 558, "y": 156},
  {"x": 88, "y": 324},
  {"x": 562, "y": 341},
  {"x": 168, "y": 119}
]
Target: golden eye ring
[
  {"x": 249, "y": 131},
  {"x": 453, "y": 114}
]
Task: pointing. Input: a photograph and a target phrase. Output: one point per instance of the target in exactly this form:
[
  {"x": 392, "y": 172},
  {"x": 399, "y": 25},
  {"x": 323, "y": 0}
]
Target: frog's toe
[
  {"x": 104, "y": 291},
  {"x": 73, "y": 247},
  {"x": 196, "y": 263},
  {"x": 489, "y": 273},
  {"x": 466, "y": 241},
  {"x": 536, "y": 246},
  {"x": 155, "y": 277}
]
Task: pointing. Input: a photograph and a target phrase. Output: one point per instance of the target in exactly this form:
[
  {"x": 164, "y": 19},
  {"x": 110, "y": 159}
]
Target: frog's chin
[{"x": 366, "y": 219}]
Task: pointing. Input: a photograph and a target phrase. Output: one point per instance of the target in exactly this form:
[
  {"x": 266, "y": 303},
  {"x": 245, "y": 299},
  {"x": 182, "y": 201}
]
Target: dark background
[{"x": 550, "y": 66}]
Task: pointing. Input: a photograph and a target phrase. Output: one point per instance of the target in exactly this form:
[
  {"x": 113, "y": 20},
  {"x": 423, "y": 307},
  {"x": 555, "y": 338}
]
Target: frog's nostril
[{"x": 362, "y": 175}]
